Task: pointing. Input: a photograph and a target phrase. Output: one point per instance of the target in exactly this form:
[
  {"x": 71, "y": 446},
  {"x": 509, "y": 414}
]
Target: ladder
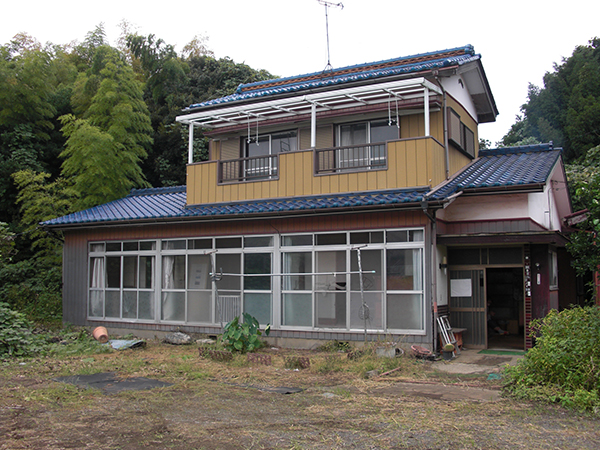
[{"x": 447, "y": 334}]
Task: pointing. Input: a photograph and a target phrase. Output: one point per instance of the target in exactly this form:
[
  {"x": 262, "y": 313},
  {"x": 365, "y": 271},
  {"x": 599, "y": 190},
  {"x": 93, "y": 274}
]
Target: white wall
[
  {"x": 486, "y": 207},
  {"x": 456, "y": 87}
]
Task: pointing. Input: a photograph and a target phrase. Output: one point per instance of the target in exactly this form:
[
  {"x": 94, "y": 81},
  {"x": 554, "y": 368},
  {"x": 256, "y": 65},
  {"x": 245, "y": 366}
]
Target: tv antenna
[{"x": 327, "y": 6}]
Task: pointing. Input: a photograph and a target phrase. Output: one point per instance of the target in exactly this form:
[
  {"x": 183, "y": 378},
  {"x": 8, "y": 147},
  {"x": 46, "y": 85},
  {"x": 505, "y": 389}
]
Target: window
[
  {"x": 459, "y": 134},
  {"x": 310, "y": 281},
  {"x": 121, "y": 284},
  {"x": 357, "y": 136},
  {"x": 553, "y": 268},
  {"x": 261, "y": 153}
]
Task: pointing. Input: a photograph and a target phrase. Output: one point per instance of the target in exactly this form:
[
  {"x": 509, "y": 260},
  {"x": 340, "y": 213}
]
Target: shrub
[
  {"x": 564, "y": 365},
  {"x": 243, "y": 337},
  {"x": 16, "y": 339}
]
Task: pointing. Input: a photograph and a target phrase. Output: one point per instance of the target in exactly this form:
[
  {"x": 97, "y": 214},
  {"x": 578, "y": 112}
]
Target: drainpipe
[
  {"x": 433, "y": 271},
  {"x": 445, "y": 121}
]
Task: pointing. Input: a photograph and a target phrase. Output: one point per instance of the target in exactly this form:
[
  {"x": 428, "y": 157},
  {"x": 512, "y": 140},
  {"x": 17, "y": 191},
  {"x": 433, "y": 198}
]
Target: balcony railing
[
  {"x": 248, "y": 169},
  {"x": 351, "y": 158}
]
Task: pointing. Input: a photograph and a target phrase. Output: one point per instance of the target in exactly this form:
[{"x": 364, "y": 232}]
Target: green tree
[
  {"x": 566, "y": 110},
  {"x": 107, "y": 142},
  {"x": 584, "y": 182}
]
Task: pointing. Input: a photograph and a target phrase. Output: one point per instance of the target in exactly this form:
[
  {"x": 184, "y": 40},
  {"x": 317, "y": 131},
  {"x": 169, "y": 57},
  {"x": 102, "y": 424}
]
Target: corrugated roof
[
  {"x": 503, "y": 168},
  {"x": 170, "y": 203},
  {"x": 359, "y": 72}
]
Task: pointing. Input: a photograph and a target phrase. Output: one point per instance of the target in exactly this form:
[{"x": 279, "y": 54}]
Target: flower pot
[{"x": 100, "y": 334}]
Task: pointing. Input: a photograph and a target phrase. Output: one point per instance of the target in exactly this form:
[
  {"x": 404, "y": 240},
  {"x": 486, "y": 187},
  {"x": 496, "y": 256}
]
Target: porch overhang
[{"x": 550, "y": 237}]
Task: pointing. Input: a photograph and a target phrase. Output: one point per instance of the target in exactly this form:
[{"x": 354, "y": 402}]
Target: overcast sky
[{"x": 519, "y": 41}]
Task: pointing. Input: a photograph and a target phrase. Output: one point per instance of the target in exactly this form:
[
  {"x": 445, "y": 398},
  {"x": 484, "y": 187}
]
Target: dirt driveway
[{"x": 231, "y": 405}]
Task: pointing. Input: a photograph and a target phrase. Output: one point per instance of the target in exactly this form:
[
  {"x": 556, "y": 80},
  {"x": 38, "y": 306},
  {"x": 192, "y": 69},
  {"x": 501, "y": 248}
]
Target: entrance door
[
  {"x": 467, "y": 306},
  {"x": 505, "y": 302}
]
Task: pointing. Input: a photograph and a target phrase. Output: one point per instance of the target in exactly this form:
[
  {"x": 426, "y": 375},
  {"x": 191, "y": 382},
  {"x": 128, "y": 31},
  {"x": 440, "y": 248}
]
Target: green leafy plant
[
  {"x": 16, "y": 339},
  {"x": 243, "y": 337},
  {"x": 564, "y": 365}
]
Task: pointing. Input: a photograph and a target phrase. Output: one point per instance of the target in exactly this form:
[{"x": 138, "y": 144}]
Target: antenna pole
[{"x": 328, "y": 5}]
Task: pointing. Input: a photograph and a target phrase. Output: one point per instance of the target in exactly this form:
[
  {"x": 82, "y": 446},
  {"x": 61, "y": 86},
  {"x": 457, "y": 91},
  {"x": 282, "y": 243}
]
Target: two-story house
[{"x": 348, "y": 204}]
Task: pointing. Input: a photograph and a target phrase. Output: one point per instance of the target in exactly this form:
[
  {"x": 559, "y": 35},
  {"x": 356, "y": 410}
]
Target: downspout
[
  {"x": 445, "y": 121},
  {"x": 433, "y": 259}
]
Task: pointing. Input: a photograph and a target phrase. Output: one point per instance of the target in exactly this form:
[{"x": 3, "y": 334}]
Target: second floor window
[
  {"x": 262, "y": 152},
  {"x": 358, "y": 142},
  {"x": 271, "y": 144}
]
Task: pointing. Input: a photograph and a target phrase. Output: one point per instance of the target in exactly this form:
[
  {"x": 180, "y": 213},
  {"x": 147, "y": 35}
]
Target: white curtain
[
  {"x": 96, "y": 307},
  {"x": 417, "y": 270},
  {"x": 168, "y": 308}
]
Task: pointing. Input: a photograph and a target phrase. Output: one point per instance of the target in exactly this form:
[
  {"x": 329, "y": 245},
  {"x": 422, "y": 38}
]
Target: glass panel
[
  {"x": 302, "y": 239},
  {"x": 284, "y": 142},
  {"x": 405, "y": 311},
  {"x": 258, "y": 306},
  {"x": 404, "y": 270},
  {"x": 383, "y": 131},
  {"x": 367, "y": 237},
  {"x": 146, "y": 305},
  {"x": 174, "y": 245},
  {"x": 397, "y": 236},
  {"x": 148, "y": 245},
  {"x": 257, "y": 263},
  {"x": 415, "y": 236},
  {"x": 353, "y": 134},
  {"x": 504, "y": 255},
  {"x": 113, "y": 304},
  {"x": 229, "y": 243},
  {"x": 146, "y": 272},
  {"x": 297, "y": 263},
  {"x": 129, "y": 304},
  {"x": 96, "y": 304},
  {"x": 331, "y": 239},
  {"x": 113, "y": 272},
  {"x": 173, "y": 306},
  {"x": 371, "y": 261},
  {"x": 130, "y": 271},
  {"x": 199, "y": 272},
  {"x": 262, "y": 241},
  {"x": 200, "y": 306},
  {"x": 331, "y": 310},
  {"x": 97, "y": 272},
  {"x": 374, "y": 301},
  {"x": 328, "y": 262},
  {"x": 99, "y": 247},
  {"x": 463, "y": 256},
  {"x": 297, "y": 310},
  {"x": 229, "y": 264},
  {"x": 258, "y": 148},
  {"x": 113, "y": 246},
  {"x": 174, "y": 272},
  {"x": 200, "y": 244},
  {"x": 130, "y": 246}
]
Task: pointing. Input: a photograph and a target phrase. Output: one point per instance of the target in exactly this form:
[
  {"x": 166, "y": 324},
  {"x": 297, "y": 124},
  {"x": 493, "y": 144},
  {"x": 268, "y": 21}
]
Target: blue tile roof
[
  {"x": 170, "y": 203},
  {"x": 502, "y": 168},
  {"x": 360, "y": 72},
  {"x": 497, "y": 168}
]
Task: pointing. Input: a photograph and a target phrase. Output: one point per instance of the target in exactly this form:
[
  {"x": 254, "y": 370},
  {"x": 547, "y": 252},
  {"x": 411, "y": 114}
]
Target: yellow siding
[{"x": 411, "y": 163}]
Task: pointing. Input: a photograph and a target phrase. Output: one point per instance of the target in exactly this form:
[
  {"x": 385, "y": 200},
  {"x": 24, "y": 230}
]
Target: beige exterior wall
[{"x": 411, "y": 163}]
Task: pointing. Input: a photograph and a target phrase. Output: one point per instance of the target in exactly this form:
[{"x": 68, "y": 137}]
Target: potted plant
[{"x": 448, "y": 352}]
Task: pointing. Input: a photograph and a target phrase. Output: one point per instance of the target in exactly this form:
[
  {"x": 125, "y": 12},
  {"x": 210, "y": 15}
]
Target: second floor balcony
[{"x": 395, "y": 164}]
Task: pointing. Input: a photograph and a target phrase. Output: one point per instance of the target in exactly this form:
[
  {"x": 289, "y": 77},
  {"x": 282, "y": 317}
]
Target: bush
[
  {"x": 243, "y": 337},
  {"x": 16, "y": 339},
  {"x": 564, "y": 365}
]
